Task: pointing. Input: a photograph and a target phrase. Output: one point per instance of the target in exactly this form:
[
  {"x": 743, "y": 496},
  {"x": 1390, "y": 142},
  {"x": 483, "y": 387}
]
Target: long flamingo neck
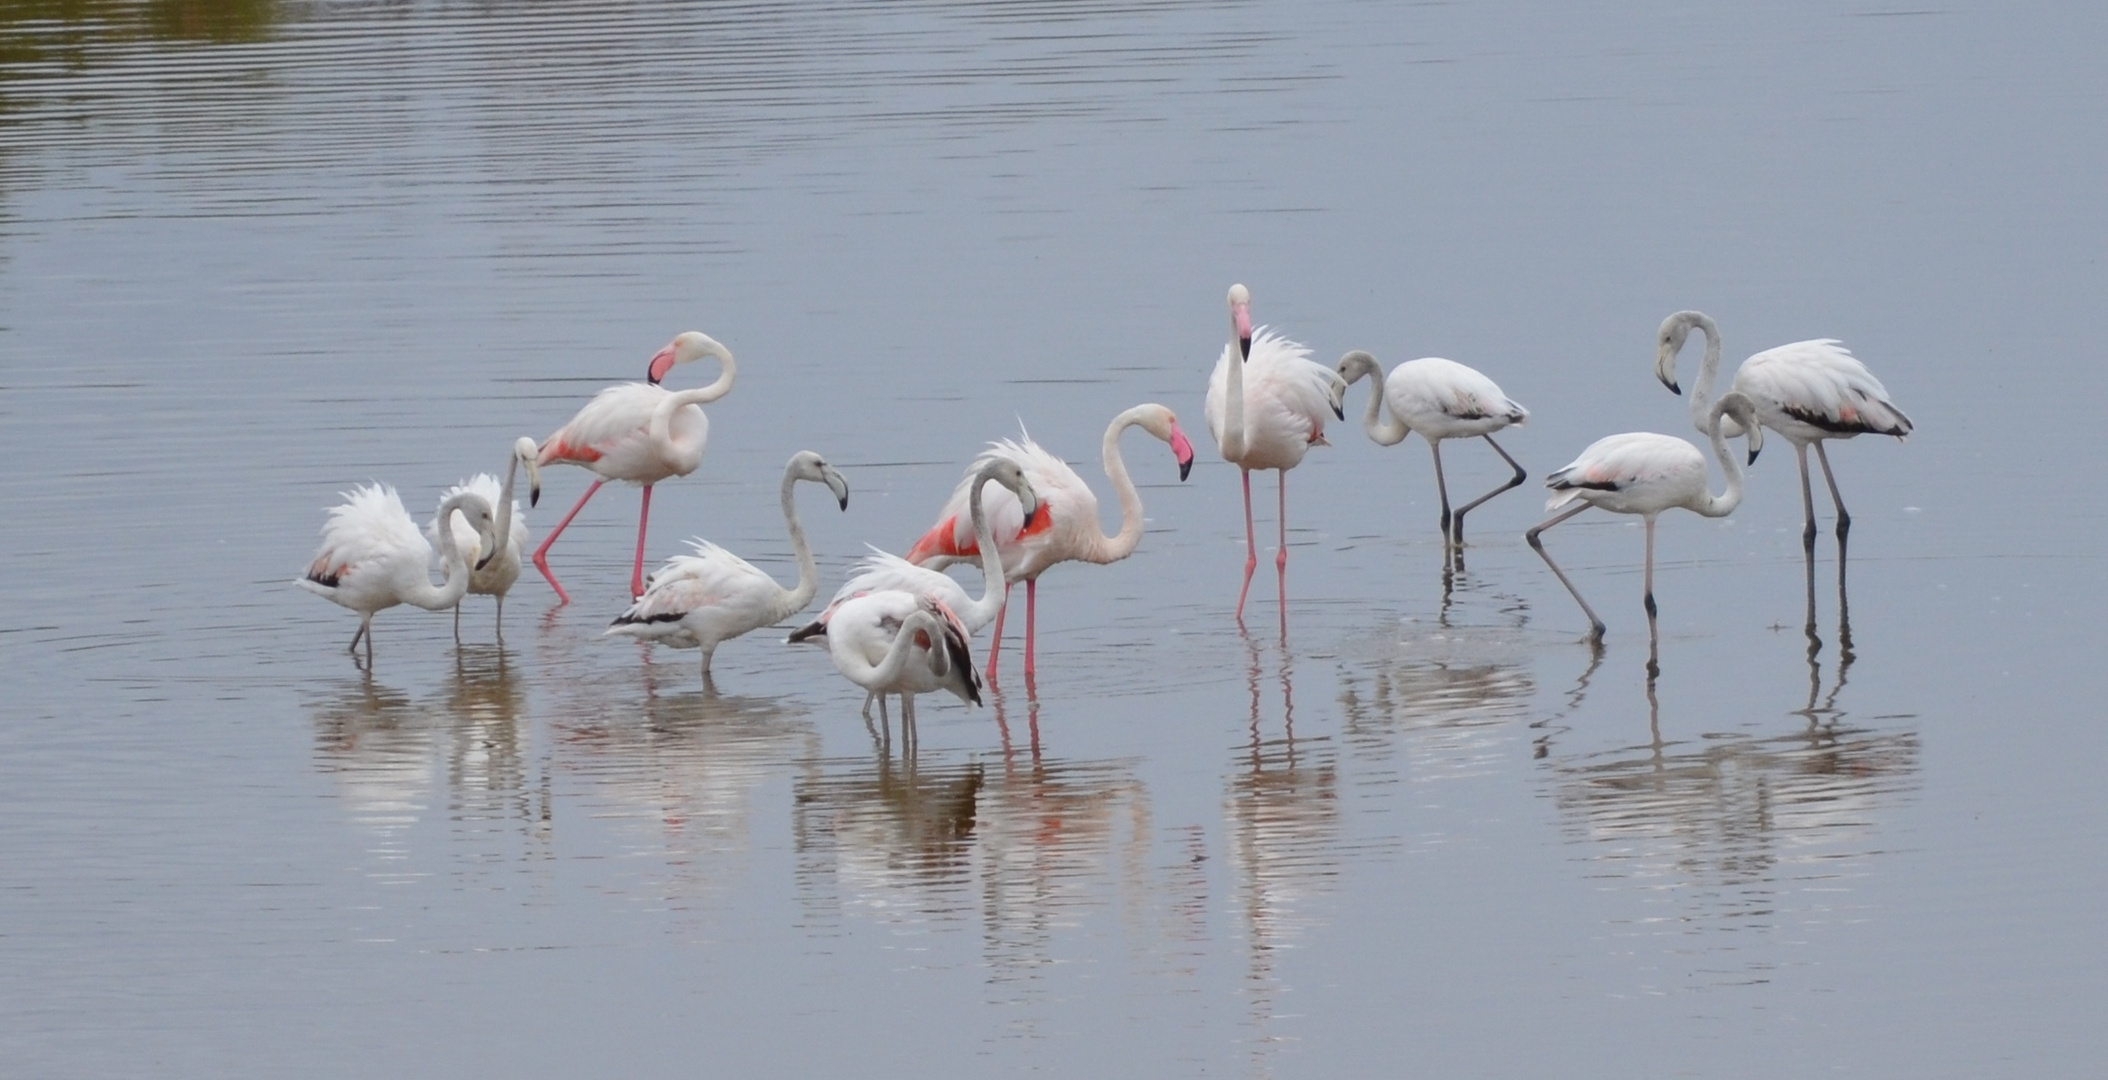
[
  {"x": 662, "y": 415},
  {"x": 1121, "y": 545},
  {"x": 888, "y": 670},
  {"x": 1384, "y": 434},
  {"x": 503, "y": 526},
  {"x": 993, "y": 589},
  {"x": 1723, "y": 504},
  {"x": 808, "y": 585},
  {"x": 1708, "y": 372},
  {"x": 1233, "y": 441},
  {"x": 424, "y": 594}
]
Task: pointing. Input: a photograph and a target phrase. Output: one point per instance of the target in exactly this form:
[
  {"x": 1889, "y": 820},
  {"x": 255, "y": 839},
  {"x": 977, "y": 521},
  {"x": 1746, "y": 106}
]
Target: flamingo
[
  {"x": 1644, "y": 473},
  {"x": 373, "y": 558},
  {"x": 495, "y": 576},
  {"x": 1440, "y": 399},
  {"x": 698, "y": 601},
  {"x": 895, "y": 642},
  {"x": 639, "y": 432},
  {"x": 1066, "y": 528},
  {"x": 1808, "y": 391},
  {"x": 1272, "y": 423}
]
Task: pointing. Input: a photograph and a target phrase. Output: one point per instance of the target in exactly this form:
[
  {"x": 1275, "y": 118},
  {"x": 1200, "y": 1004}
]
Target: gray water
[{"x": 254, "y": 253}]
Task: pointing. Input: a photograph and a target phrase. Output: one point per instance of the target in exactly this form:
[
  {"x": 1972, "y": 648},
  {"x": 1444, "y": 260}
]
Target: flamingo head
[
  {"x": 1737, "y": 406},
  {"x": 1358, "y": 365},
  {"x": 1241, "y": 319},
  {"x": 529, "y": 455},
  {"x": 477, "y": 510},
  {"x": 685, "y": 348},
  {"x": 1668, "y": 343},
  {"x": 1010, "y": 474},
  {"x": 806, "y": 465},
  {"x": 1163, "y": 423}
]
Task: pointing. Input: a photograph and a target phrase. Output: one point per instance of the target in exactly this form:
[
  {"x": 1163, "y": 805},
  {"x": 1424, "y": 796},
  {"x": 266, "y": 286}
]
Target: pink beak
[
  {"x": 1241, "y": 318},
  {"x": 1182, "y": 449},
  {"x": 661, "y": 363}
]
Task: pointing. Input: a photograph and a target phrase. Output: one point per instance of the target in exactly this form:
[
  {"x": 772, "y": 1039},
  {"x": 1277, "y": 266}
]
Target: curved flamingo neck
[
  {"x": 1708, "y": 370},
  {"x": 662, "y": 414},
  {"x": 1723, "y": 504},
  {"x": 795, "y": 598},
  {"x": 439, "y": 598},
  {"x": 502, "y": 528},
  {"x": 1383, "y": 434},
  {"x": 1233, "y": 441},
  {"x": 887, "y": 672},
  {"x": 1121, "y": 545},
  {"x": 994, "y": 590}
]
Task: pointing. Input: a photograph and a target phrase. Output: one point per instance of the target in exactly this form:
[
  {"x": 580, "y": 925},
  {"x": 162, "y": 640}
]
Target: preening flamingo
[
  {"x": 894, "y": 642},
  {"x": 639, "y": 432},
  {"x": 372, "y": 556},
  {"x": 1440, "y": 399},
  {"x": 1066, "y": 528},
  {"x": 1644, "y": 473},
  {"x": 494, "y": 576},
  {"x": 697, "y": 601},
  {"x": 1266, "y": 407},
  {"x": 1808, "y": 391}
]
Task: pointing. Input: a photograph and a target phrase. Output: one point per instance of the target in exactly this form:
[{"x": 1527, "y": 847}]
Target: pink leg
[
  {"x": 1251, "y": 548},
  {"x": 636, "y": 578},
  {"x": 1031, "y": 622},
  {"x": 1281, "y": 560},
  {"x": 996, "y": 646},
  {"x": 541, "y": 554}
]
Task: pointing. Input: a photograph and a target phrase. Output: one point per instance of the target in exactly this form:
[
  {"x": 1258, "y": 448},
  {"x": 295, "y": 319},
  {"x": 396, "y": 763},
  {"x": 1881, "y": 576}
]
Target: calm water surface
[{"x": 254, "y": 253}]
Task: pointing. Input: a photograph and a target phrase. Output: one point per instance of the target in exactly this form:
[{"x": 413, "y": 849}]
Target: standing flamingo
[
  {"x": 373, "y": 558},
  {"x": 1066, "y": 528},
  {"x": 1440, "y": 399},
  {"x": 1270, "y": 423},
  {"x": 1808, "y": 391},
  {"x": 494, "y": 576},
  {"x": 639, "y": 432},
  {"x": 894, "y": 642},
  {"x": 697, "y": 601},
  {"x": 1644, "y": 473}
]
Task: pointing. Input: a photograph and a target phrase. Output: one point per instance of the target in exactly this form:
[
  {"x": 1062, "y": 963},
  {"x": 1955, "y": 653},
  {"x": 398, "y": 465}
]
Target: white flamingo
[
  {"x": 1066, "y": 528},
  {"x": 496, "y": 575},
  {"x": 372, "y": 556},
  {"x": 698, "y": 601},
  {"x": 639, "y": 432},
  {"x": 1440, "y": 399},
  {"x": 1644, "y": 473},
  {"x": 1266, "y": 407},
  {"x": 895, "y": 642},
  {"x": 1808, "y": 391}
]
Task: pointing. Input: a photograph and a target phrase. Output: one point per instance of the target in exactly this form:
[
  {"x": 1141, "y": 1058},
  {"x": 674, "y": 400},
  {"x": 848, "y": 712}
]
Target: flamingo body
[
  {"x": 372, "y": 557},
  {"x": 1286, "y": 398},
  {"x": 1440, "y": 399}
]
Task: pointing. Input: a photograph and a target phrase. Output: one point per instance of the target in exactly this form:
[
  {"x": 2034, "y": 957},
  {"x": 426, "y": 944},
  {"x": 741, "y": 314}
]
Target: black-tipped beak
[
  {"x": 1245, "y": 345},
  {"x": 1340, "y": 410},
  {"x": 1185, "y": 468},
  {"x": 534, "y": 497},
  {"x": 485, "y": 560},
  {"x": 1753, "y": 455},
  {"x": 844, "y": 500},
  {"x": 1673, "y": 388}
]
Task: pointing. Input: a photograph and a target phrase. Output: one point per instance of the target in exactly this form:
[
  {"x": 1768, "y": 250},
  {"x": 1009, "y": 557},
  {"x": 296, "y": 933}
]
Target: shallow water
[{"x": 255, "y": 253}]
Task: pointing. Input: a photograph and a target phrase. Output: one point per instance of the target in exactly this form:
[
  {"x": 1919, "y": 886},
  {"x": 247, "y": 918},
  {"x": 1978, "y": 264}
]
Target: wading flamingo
[
  {"x": 894, "y": 642},
  {"x": 639, "y": 432},
  {"x": 1066, "y": 528},
  {"x": 1644, "y": 473},
  {"x": 1440, "y": 399},
  {"x": 372, "y": 556},
  {"x": 1809, "y": 391},
  {"x": 1266, "y": 407},
  {"x": 495, "y": 576},
  {"x": 697, "y": 601}
]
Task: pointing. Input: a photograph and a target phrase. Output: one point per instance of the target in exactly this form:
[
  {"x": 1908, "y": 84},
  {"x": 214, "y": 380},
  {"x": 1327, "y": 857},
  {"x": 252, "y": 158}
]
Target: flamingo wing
[
  {"x": 1622, "y": 463},
  {"x": 1449, "y": 399},
  {"x": 369, "y": 528},
  {"x": 1820, "y": 383}
]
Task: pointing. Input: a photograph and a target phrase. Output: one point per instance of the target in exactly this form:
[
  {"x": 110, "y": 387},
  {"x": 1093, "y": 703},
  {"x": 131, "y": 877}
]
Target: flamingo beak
[
  {"x": 838, "y": 485},
  {"x": 1241, "y": 317},
  {"x": 661, "y": 363},
  {"x": 534, "y": 484},
  {"x": 1182, "y": 449}
]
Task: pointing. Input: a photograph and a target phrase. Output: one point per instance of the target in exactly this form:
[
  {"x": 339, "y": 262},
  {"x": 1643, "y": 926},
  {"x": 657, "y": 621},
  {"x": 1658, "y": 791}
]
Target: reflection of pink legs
[
  {"x": 541, "y": 554},
  {"x": 1031, "y": 623},
  {"x": 1251, "y": 548},
  {"x": 636, "y": 579}
]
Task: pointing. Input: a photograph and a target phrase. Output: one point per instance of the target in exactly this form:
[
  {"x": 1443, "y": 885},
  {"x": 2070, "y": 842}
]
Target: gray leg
[
  {"x": 1595, "y": 625},
  {"x": 1844, "y": 520},
  {"x": 1441, "y": 488},
  {"x": 1654, "y": 639},
  {"x": 501, "y": 617},
  {"x": 1457, "y": 527},
  {"x": 1800, "y": 451},
  {"x": 457, "y": 622}
]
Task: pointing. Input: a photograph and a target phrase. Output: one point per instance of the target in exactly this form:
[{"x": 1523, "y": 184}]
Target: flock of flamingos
[{"x": 902, "y": 626}]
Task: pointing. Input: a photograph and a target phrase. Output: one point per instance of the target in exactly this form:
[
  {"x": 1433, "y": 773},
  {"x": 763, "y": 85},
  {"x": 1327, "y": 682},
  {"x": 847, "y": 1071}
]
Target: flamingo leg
[
  {"x": 1595, "y": 625},
  {"x": 1648, "y": 596},
  {"x": 1251, "y": 548},
  {"x": 996, "y": 646},
  {"x": 1844, "y": 520},
  {"x": 1281, "y": 559},
  {"x": 1031, "y": 623},
  {"x": 1457, "y": 524},
  {"x": 501, "y": 617},
  {"x": 636, "y": 579},
  {"x": 365, "y": 624},
  {"x": 907, "y": 727},
  {"x": 457, "y": 622},
  {"x": 541, "y": 554},
  {"x": 1800, "y": 451},
  {"x": 1441, "y": 489}
]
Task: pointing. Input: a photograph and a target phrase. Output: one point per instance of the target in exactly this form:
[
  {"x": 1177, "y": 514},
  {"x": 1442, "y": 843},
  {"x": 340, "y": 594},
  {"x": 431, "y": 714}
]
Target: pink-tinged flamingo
[
  {"x": 372, "y": 556},
  {"x": 494, "y": 576},
  {"x": 697, "y": 601},
  {"x": 639, "y": 432},
  {"x": 1440, "y": 399},
  {"x": 1644, "y": 473},
  {"x": 894, "y": 642},
  {"x": 1066, "y": 528},
  {"x": 1808, "y": 391},
  {"x": 1266, "y": 407}
]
